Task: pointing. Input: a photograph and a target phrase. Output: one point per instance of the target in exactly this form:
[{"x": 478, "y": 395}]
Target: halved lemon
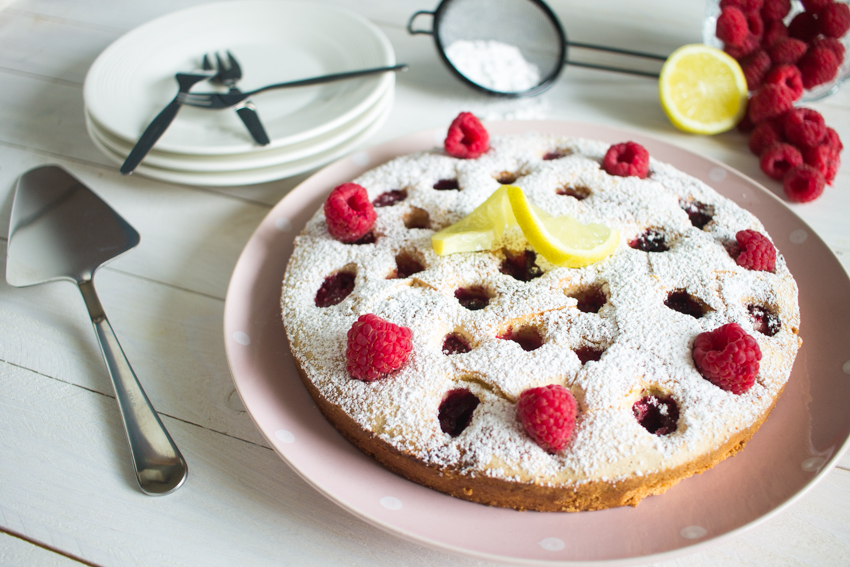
[
  {"x": 702, "y": 89},
  {"x": 562, "y": 240},
  {"x": 485, "y": 228}
]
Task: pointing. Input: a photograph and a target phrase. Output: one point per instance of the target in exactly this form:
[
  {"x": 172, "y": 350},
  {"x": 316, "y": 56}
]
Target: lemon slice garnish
[
  {"x": 702, "y": 89},
  {"x": 562, "y": 240},
  {"x": 485, "y": 228}
]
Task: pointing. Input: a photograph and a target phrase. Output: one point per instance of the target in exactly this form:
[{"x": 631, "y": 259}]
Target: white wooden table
[{"x": 67, "y": 494}]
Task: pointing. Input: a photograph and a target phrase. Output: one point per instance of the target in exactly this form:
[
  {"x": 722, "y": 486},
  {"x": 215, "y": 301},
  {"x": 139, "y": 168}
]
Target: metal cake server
[{"x": 61, "y": 230}]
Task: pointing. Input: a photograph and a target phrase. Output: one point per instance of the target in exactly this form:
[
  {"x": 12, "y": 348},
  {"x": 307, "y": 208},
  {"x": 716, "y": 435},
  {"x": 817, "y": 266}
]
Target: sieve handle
[{"x": 412, "y": 31}]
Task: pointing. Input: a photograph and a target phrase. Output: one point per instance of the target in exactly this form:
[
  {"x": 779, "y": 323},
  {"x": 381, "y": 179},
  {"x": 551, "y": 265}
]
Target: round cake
[{"x": 484, "y": 327}]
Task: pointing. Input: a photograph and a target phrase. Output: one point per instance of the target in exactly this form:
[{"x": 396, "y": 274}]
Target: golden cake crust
[{"x": 644, "y": 345}]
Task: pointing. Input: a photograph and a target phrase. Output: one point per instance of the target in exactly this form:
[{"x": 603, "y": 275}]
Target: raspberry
[
  {"x": 732, "y": 27},
  {"x": 745, "y": 125},
  {"x": 757, "y": 252},
  {"x": 787, "y": 51},
  {"x": 778, "y": 159},
  {"x": 831, "y": 43},
  {"x": 376, "y": 347},
  {"x": 755, "y": 66},
  {"x": 814, "y": 6},
  {"x": 349, "y": 213},
  {"x": 804, "y": 127},
  {"x": 765, "y": 135},
  {"x": 728, "y": 358},
  {"x": 825, "y": 159},
  {"x": 738, "y": 52},
  {"x": 818, "y": 66},
  {"x": 775, "y": 10},
  {"x": 755, "y": 24},
  {"x": 788, "y": 75},
  {"x": 804, "y": 183},
  {"x": 548, "y": 415},
  {"x": 834, "y": 20},
  {"x": 770, "y": 101},
  {"x": 627, "y": 159},
  {"x": 832, "y": 139},
  {"x": 467, "y": 138},
  {"x": 773, "y": 32},
  {"x": 804, "y": 26}
]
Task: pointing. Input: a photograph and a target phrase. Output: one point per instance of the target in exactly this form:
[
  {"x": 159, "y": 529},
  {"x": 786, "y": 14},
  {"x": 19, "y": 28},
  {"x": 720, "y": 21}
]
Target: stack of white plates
[{"x": 274, "y": 41}]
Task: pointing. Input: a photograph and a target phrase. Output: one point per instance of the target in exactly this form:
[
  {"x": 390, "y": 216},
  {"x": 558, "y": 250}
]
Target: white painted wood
[{"x": 65, "y": 479}]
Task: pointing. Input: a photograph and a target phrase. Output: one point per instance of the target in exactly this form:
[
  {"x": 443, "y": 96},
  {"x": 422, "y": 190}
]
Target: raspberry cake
[{"x": 498, "y": 377}]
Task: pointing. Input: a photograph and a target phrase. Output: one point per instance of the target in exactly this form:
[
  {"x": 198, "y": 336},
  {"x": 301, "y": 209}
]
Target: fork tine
[
  {"x": 221, "y": 66},
  {"x": 234, "y": 65},
  {"x": 205, "y": 63}
]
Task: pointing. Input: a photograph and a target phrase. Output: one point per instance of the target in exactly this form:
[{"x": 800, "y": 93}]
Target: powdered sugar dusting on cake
[{"x": 646, "y": 345}]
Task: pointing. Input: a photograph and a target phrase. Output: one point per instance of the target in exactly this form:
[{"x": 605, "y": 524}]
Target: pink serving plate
[{"x": 795, "y": 448}]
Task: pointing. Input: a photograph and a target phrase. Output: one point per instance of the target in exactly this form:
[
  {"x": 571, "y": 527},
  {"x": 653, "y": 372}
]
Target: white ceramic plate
[
  {"x": 273, "y": 40},
  {"x": 247, "y": 176},
  {"x": 799, "y": 443},
  {"x": 260, "y": 158}
]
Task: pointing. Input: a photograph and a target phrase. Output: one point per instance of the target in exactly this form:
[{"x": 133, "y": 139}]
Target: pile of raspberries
[{"x": 780, "y": 61}]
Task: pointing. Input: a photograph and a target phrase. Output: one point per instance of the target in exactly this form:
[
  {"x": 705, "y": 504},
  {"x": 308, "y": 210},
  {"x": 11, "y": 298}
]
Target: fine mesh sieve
[{"x": 513, "y": 48}]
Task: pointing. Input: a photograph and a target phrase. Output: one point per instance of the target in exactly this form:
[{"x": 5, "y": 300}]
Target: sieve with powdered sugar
[{"x": 509, "y": 48}]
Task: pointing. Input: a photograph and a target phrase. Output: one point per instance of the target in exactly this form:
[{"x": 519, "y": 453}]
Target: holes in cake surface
[
  {"x": 589, "y": 353},
  {"x": 590, "y": 299},
  {"x": 528, "y": 337},
  {"x": 578, "y": 192},
  {"x": 765, "y": 321},
  {"x": 335, "y": 288},
  {"x": 390, "y": 198},
  {"x": 699, "y": 214},
  {"x": 521, "y": 266},
  {"x": 650, "y": 240},
  {"x": 455, "y": 343},
  {"x": 417, "y": 218},
  {"x": 683, "y": 302},
  {"x": 657, "y": 413},
  {"x": 406, "y": 264},
  {"x": 473, "y": 297},
  {"x": 506, "y": 177},
  {"x": 556, "y": 154},
  {"x": 368, "y": 238},
  {"x": 456, "y": 410},
  {"x": 447, "y": 185}
]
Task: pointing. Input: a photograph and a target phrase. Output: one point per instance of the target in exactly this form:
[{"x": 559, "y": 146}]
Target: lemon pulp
[{"x": 702, "y": 90}]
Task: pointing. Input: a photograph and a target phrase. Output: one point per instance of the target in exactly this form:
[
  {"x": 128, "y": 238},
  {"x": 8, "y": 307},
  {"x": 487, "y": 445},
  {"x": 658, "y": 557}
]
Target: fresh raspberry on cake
[
  {"x": 778, "y": 159},
  {"x": 349, "y": 213},
  {"x": 548, "y": 415},
  {"x": 467, "y": 138},
  {"x": 804, "y": 127},
  {"x": 728, "y": 358},
  {"x": 787, "y": 75},
  {"x": 825, "y": 159},
  {"x": 769, "y": 102},
  {"x": 775, "y": 10},
  {"x": 626, "y": 159},
  {"x": 818, "y": 66},
  {"x": 755, "y": 66},
  {"x": 757, "y": 252},
  {"x": 376, "y": 348},
  {"x": 834, "y": 19},
  {"x": 765, "y": 135},
  {"x": 804, "y": 183},
  {"x": 787, "y": 51},
  {"x": 732, "y": 27}
]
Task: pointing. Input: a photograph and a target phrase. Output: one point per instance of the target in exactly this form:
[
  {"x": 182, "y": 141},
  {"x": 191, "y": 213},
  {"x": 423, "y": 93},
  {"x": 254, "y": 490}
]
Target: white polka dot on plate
[
  {"x": 552, "y": 544},
  {"x": 717, "y": 174},
  {"x": 798, "y": 236},
  {"x": 361, "y": 158},
  {"x": 241, "y": 338},
  {"x": 813, "y": 464},
  {"x": 283, "y": 224},
  {"x": 693, "y": 532},
  {"x": 284, "y": 436},
  {"x": 391, "y": 503},
  {"x": 846, "y": 367}
]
